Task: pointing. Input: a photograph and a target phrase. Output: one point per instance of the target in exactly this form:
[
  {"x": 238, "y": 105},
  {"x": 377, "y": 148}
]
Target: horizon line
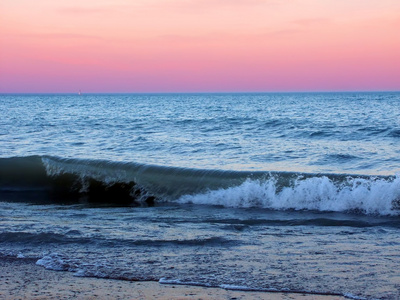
[{"x": 193, "y": 92}]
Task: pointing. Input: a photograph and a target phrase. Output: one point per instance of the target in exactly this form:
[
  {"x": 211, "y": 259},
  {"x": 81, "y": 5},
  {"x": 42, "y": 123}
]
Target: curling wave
[{"x": 125, "y": 183}]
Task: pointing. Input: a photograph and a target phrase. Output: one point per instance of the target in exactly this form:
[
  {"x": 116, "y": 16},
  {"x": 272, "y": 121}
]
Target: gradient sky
[{"x": 199, "y": 45}]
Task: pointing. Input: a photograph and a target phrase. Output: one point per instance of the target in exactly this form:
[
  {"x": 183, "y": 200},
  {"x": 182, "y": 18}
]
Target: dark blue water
[{"x": 264, "y": 191}]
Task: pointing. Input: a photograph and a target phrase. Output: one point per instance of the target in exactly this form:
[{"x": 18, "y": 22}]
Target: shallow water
[
  {"x": 248, "y": 191},
  {"x": 211, "y": 246}
]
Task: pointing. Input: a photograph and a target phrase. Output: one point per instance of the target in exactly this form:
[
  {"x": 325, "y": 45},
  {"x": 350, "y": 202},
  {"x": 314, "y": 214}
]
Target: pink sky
[{"x": 199, "y": 45}]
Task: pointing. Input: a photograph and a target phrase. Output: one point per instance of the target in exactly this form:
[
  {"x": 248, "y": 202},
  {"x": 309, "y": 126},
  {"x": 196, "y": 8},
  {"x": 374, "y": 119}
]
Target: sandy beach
[{"x": 23, "y": 279}]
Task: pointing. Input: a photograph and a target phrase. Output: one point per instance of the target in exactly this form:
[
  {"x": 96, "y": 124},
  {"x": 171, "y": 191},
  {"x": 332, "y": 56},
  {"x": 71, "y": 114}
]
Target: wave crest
[
  {"x": 128, "y": 183},
  {"x": 379, "y": 196}
]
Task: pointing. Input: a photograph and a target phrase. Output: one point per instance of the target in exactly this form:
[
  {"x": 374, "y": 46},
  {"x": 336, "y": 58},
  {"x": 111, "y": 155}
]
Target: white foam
[
  {"x": 240, "y": 288},
  {"x": 179, "y": 282},
  {"x": 354, "y": 297},
  {"x": 55, "y": 262},
  {"x": 369, "y": 196}
]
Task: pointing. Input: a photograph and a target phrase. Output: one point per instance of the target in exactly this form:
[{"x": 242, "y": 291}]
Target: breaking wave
[
  {"x": 361, "y": 195},
  {"x": 60, "y": 179}
]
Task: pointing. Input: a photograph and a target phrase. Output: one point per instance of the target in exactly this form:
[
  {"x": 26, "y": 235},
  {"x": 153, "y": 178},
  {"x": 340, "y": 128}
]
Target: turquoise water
[{"x": 289, "y": 192}]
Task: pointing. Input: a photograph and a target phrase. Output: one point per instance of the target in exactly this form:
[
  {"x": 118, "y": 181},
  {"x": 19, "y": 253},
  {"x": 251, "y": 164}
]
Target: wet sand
[{"x": 23, "y": 279}]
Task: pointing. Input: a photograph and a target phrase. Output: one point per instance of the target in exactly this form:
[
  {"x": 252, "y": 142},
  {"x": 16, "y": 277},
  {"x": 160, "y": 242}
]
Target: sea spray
[{"x": 379, "y": 196}]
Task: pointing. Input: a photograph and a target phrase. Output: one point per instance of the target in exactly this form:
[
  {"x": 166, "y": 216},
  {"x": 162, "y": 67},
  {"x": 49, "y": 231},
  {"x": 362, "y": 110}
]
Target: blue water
[
  {"x": 338, "y": 132},
  {"x": 292, "y": 192}
]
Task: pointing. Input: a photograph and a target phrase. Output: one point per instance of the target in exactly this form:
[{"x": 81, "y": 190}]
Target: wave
[
  {"x": 59, "y": 238},
  {"x": 107, "y": 181},
  {"x": 62, "y": 179},
  {"x": 251, "y": 289},
  {"x": 360, "y": 195},
  {"x": 41, "y": 237},
  {"x": 58, "y": 262}
]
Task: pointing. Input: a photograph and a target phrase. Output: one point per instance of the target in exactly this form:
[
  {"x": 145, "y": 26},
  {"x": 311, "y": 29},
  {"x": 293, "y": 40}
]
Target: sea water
[{"x": 275, "y": 192}]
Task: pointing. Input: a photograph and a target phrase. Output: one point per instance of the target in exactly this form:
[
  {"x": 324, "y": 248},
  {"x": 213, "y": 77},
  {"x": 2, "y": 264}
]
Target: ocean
[{"x": 283, "y": 192}]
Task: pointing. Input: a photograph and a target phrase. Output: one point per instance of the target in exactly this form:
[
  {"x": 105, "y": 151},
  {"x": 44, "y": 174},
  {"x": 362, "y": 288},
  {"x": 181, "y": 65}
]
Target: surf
[{"x": 131, "y": 183}]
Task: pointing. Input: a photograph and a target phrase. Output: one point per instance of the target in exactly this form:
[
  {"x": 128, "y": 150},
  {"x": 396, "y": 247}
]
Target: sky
[{"x": 121, "y": 46}]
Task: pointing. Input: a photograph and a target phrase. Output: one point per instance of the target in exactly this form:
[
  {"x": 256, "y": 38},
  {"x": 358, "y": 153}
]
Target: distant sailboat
[{"x": 79, "y": 93}]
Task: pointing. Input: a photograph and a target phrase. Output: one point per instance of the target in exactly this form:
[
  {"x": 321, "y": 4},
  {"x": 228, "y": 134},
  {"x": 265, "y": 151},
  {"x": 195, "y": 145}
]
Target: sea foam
[{"x": 369, "y": 196}]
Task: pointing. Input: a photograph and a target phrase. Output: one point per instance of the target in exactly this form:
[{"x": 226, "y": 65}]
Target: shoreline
[{"x": 23, "y": 279}]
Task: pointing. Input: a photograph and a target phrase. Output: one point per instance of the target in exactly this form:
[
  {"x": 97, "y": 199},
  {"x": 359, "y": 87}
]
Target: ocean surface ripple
[
  {"x": 271, "y": 192},
  {"x": 356, "y": 133}
]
